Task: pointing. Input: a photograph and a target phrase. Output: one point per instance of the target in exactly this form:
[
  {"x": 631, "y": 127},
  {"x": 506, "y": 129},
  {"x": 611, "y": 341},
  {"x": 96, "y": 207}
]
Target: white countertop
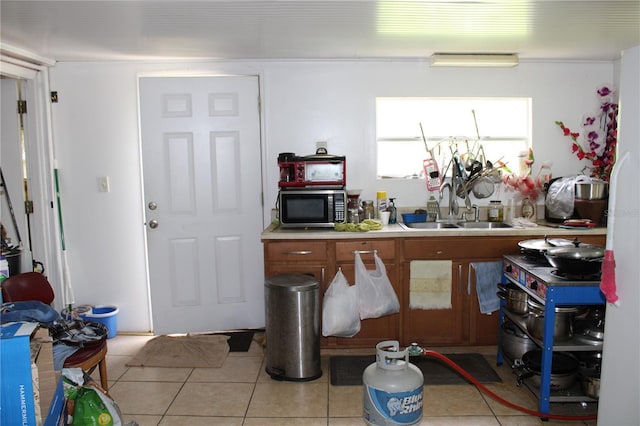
[{"x": 273, "y": 232}]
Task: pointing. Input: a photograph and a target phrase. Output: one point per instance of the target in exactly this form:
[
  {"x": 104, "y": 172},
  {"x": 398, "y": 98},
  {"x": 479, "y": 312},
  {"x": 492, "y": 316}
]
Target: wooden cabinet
[
  {"x": 433, "y": 326},
  {"x": 322, "y": 260},
  {"x": 437, "y": 326},
  {"x": 373, "y": 330},
  {"x": 463, "y": 324},
  {"x": 316, "y": 258}
]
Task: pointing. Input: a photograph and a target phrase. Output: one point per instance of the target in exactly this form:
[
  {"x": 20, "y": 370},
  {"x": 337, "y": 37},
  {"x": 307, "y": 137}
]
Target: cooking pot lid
[
  {"x": 561, "y": 362},
  {"x": 585, "y": 252},
  {"x": 589, "y": 330},
  {"x": 545, "y": 244}
]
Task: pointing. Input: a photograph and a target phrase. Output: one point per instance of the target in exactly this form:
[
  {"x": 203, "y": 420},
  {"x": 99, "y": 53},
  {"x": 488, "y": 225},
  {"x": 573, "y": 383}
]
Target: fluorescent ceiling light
[
  {"x": 456, "y": 19},
  {"x": 474, "y": 60}
]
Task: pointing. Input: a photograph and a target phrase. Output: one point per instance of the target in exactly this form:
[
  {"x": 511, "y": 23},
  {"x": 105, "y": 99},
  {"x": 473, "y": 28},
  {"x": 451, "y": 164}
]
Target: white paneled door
[{"x": 202, "y": 193}]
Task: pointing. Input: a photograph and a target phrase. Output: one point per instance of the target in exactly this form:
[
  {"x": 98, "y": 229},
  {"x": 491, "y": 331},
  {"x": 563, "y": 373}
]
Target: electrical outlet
[{"x": 103, "y": 184}]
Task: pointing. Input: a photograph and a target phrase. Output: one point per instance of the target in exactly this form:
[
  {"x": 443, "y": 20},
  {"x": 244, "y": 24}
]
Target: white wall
[{"x": 96, "y": 134}]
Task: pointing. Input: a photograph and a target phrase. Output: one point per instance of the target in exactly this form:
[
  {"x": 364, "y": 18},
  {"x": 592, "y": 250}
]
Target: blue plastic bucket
[{"x": 106, "y": 315}]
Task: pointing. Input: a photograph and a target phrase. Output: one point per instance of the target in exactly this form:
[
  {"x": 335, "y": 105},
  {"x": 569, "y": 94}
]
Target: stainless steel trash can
[{"x": 292, "y": 308}]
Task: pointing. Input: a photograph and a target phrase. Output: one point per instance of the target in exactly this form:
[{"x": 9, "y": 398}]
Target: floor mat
[
  {"x": 239, "y": 341},
  {"x": 182, "y": 351},
  {"x": 347, "y": 370}
]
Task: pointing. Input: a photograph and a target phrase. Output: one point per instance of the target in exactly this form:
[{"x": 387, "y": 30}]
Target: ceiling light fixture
[{"x": 474, "y": 60}]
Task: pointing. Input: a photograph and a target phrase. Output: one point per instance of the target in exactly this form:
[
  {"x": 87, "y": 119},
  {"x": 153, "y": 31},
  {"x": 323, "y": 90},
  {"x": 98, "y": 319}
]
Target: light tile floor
[{"x": 242, "y": 393}]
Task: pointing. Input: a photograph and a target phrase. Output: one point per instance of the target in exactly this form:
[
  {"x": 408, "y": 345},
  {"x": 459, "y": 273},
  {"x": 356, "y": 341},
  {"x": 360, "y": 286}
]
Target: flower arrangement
[
  {"x": 525, "y": 185},
  {"x": 600, "y": 136}
]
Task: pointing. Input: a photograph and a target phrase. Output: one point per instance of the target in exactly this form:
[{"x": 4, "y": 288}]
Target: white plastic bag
[
  {"x": 340, "y": 308},
  {"x": 560, "y": 195},
  {"x": 376, "y": 297}
]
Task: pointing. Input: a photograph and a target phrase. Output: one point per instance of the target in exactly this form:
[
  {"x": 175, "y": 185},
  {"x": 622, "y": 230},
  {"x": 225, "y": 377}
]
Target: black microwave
[{"x": 312, "y": 208}]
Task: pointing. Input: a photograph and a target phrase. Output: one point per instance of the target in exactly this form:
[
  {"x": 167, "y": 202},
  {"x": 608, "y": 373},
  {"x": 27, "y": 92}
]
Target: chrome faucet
[
  {"x": 454, "y": 207},
  {"x": 453, "y": 199},
  {"x": 476, "y": 213}
]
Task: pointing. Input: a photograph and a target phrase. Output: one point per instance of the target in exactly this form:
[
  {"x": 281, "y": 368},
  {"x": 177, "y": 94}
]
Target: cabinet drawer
[
  {"x": 433, "y": 248},
  {"x": 386, "y": 249},
  {"x": 459, "y": 248},
  {"x": 297, "y": 251}
]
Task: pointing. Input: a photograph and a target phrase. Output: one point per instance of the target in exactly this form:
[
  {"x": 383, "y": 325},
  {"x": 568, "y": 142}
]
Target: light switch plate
[{"x": 103, "y": 184}]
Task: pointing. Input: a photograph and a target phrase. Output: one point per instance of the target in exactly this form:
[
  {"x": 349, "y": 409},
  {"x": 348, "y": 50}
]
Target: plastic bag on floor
[
  {"x": 87, "y": 403},
  {"x": 340, "y": 316}
]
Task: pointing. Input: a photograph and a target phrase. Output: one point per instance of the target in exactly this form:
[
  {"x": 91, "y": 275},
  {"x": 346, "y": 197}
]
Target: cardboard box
[
  {"x": 47, "y": 376},
  {"x": 16, "y": 401},
  {"x": 45, "y": 386},
  {"x": 56, "y": 415}
]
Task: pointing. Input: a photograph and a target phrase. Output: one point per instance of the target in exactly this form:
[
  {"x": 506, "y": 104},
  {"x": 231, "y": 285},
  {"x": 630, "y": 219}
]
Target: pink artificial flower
[
  {"x": 588, "y": 120},
  {"x": 600, "y": 136},
  {"x": 604, "y": 90}
]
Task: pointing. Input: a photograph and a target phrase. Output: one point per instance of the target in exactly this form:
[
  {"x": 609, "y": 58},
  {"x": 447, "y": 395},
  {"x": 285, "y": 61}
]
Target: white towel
[{"x": 430, "y": 284}]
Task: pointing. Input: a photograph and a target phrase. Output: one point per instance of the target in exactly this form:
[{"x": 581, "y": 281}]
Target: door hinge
[
  {"x": 28, "y": 207},
  {"x": 22, "y": 106}
]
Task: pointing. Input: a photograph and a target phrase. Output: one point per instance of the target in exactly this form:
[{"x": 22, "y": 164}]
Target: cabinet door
[
  {"x": 434, "y": 326},
  {"x": 483, "y": 328},
  {"x": 373, "y": 330}
]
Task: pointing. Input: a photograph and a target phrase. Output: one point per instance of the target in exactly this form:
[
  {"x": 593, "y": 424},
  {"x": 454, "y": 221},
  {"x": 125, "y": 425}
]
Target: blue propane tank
[{"x": 392, "y": 388}]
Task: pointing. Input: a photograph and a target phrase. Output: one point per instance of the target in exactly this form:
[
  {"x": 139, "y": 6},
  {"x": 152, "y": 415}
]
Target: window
[{"x": 503, "y": 131}]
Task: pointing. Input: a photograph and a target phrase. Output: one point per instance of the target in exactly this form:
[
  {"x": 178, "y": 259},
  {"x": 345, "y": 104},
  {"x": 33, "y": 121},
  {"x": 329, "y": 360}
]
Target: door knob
[{"x": 153, "y": 224}]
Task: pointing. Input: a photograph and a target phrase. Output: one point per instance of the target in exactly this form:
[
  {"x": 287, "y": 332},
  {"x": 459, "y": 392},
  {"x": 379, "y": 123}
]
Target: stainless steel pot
[
  {"x": 515, "y": 342},
  {"x": 592, "y": 331},
  {"x": 590, "y": 381},
  {"x": 562, "y": 326},
  {"x": 591, "y": 360},
  {"x": 564, "y": 369},
  {"x": 594, "y": 190},
  {"x": 515, "y": 299},
  {"x": 537, "y": 248},
  {"x": 583, "y": 260}
]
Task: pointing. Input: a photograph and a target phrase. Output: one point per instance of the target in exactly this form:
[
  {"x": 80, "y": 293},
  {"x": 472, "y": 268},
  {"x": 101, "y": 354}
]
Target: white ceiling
[{"x": 74, "y": 30}]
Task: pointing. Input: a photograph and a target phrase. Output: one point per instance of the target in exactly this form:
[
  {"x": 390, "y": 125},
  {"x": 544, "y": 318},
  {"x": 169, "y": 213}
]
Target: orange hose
[{"x": 483, "y": 388}]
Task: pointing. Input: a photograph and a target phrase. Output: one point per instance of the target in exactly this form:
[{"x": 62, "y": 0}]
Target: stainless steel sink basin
[
  {"x": 430, "y": 225},
  {"x": 457, "y": 225},
  {"x": 483, "y": 225}
]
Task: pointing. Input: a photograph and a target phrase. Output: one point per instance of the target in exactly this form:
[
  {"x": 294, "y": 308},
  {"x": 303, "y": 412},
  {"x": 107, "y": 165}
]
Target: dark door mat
[
  {"x": 239, "y": 341},
  {"x": 347, "y": 370}
]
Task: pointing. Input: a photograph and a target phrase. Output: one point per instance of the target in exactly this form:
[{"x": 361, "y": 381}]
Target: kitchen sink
[
  {"x": 457, "y": 225},
  {"x": 430, "y": 225},
  {"x": 483, "y": 225}
]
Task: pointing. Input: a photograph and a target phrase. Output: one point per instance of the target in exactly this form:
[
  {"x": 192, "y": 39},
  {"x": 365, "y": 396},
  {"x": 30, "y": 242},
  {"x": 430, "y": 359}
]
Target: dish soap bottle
[
  {"x": 393, "y": 212},
  {"x": 381, "y": 203}
]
